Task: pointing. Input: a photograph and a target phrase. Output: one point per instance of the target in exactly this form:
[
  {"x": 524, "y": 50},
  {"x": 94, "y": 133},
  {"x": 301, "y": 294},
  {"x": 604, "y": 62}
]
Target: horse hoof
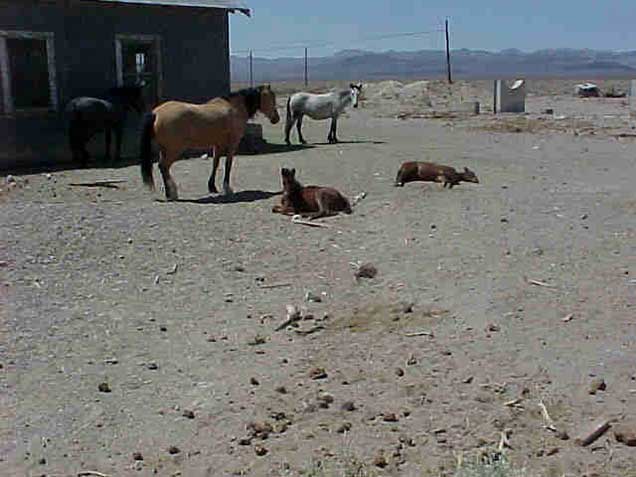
[
  {"x": 228, "y": 190},
  {"x": 212, "y": 189}
]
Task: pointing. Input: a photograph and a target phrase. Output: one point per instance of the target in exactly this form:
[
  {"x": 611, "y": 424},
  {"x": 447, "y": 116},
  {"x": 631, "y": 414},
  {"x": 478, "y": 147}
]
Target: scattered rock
[
  {"x": 399, "y": 372},
  {"x": 468, "y": 380},
  {"x": 239, "y": 268},
  {"x": 281, "y": 389},
  {"x": 625, "y": 432},
  {"x": 152, "y": 366},
  {"x": 407, "y": 307},
  {"x": 257, "y": 341},
  {"x": 188, "y": 413},
  {"x": 318, "y": 373},
  {"x": 260, "y": 430},
  {"x": 596, "y": 385},
  {"x": 390, "y": 417},
  {"x": 163, "y": 328},
  {"x": 260, "y": 451},
  {"x": 366, "y": 270},
  {"x": 312, "y": 297},
  {"x": 492, "y": 328},
  {"x": 104, "y": 387},
  {"x": 325, "y": 400},
  {"x": 380, "y": 461},
  {"x": 245, "y": 441},
  {"x": 348, "y": 406},
  {"x": 344, "y": 427},
  {"x": 254, "y": 382},
  {"x": 42, "y": 461},
  {"x": 137, "y": 456},
  {"x": 173, "y": 450}
]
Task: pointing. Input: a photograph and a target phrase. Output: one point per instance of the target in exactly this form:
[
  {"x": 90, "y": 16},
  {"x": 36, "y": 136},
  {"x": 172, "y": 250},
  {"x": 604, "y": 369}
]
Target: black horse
[{"x": 88, "y": 116}]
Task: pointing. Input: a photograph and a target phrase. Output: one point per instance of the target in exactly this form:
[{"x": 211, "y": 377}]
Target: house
[{"x": 54, "y": 50}]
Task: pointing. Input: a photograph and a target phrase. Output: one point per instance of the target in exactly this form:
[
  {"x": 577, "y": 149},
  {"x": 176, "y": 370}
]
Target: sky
[{"x": 280, "y": 27}]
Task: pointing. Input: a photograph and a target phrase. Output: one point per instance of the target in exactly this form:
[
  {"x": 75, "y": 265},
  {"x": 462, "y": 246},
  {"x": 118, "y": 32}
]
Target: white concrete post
[{"x": 510, "y": 99}]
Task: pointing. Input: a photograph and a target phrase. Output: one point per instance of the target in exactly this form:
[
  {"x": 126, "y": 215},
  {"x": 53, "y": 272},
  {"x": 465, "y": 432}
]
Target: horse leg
[
  {"x": 215, "y": 165},
  {"x": 332, "y": 133},
  {"x": 118, "y": 136},
  {"x": 229, "y": 159},
  {"x": 165, "y": 161},
  {"x": 107, "y": 137},
  {"x": 288, "y": 127},
  {"x": 299, "y": 125}
]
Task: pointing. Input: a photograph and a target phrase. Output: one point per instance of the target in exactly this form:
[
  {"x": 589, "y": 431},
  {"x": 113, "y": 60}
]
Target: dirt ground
[{"x": 139, "y": 337}]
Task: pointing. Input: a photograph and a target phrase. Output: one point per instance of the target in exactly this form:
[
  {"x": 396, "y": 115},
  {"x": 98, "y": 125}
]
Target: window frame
[
  {"x": 7, "y": 106},
  {"x": 155, "y": 41}
]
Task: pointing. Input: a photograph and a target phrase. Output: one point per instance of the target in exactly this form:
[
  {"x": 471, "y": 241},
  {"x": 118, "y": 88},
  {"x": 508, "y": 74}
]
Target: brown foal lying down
[
  {"x": 431, "y": 172},
  {"x": 309, "y": 201}
]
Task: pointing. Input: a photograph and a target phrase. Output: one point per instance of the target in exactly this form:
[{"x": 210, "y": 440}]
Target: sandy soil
[{"x": 174, "y": 306}]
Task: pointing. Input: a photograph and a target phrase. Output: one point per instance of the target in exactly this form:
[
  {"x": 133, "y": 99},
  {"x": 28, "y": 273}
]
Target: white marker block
[{"x": 510, "y": 99}]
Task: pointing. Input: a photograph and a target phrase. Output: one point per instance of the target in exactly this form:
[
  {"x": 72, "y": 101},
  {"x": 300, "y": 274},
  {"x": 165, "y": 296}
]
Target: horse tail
[
  {"x": 289, "y": 113},
  {"x": 147, "y": 134}
]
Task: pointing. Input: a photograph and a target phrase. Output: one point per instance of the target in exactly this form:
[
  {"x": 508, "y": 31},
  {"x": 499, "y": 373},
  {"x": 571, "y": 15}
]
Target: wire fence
[{"x": 304, "y": 58}]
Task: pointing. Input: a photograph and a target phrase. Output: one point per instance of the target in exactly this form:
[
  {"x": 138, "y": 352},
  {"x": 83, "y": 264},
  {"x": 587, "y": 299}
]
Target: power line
[{"x": 300, "y": 46}]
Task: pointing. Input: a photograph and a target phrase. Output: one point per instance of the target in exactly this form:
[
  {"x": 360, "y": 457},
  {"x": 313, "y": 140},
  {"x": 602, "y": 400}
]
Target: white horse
[{"x": 320, "y": 106}]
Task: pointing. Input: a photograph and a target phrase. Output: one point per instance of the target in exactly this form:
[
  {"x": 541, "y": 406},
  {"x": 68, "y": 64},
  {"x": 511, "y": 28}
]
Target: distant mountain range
[{"x": 467, "y": 64}]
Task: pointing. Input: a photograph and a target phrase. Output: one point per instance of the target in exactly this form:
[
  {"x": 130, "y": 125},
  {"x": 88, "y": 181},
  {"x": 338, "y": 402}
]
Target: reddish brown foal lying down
[
  {"x": 431, "y": 172},
  {"x": 310, "y": 201}
]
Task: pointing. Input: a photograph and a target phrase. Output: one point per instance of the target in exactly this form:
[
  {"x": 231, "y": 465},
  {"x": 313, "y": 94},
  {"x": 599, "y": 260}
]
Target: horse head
[
  {"x": 356, "y": 91},
  {"x": 268, "y": 103}
]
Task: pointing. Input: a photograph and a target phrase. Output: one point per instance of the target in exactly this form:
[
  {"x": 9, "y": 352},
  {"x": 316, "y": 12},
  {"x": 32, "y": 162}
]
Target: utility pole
[
  {"x": 448, "y": 60},
  {"x": 251, "y": 71},
  {"x": 306, "y": 70}
]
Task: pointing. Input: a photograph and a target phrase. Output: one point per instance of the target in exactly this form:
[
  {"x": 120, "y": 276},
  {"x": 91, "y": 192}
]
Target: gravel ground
[{"x": 489, "y": 299}]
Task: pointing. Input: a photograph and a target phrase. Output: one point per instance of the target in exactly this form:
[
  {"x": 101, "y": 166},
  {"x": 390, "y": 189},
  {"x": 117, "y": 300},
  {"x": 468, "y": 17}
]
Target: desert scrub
[{"x": 493, "y": 465}]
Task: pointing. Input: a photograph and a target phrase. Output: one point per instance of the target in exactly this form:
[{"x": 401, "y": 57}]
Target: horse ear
[
  {"x": 293, "y": 172},
  {"x": 351, "y": 85}
]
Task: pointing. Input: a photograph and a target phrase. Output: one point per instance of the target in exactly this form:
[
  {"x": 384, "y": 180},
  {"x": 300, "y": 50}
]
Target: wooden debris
[
  {"x": 549, "y": 423},
  {"x": 568, "y": 318},
  {"x": 588, "y": 437},
  {"x": 310, "y": 330},
  {"x": 173, "y": 270},
  {"x": 293, "y": 315},
  {"x": 504, "y": 442},
  {"x": 297, "y": 219},
  {"x": 419, "y": 333},
  {"x": 540, "y": 283},
  {"x": 275, "y": 285}
]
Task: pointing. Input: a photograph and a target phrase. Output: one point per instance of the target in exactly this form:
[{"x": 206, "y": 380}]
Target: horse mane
[{"x": 251, "y": 98}]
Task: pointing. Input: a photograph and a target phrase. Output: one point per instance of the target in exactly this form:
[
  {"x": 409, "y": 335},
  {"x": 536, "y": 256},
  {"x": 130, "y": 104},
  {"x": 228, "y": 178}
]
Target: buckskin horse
[{"x": 218, "y": 124}]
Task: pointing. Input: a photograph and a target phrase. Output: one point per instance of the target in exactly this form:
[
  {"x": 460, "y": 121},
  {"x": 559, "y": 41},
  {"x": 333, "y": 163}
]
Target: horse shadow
[
  {"x": 353, "y": 141},
  {"x": 269, "y": 148},
  {"x": 243, "y": 196}
]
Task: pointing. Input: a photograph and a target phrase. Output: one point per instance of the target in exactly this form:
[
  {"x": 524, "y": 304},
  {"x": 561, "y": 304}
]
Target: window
[
  {"x": 139, "y": 62},
  {"x": 27, "y": 65}
]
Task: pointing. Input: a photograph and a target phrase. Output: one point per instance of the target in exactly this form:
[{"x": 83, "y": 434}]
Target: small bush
[{"x": 493, "y": 465}]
